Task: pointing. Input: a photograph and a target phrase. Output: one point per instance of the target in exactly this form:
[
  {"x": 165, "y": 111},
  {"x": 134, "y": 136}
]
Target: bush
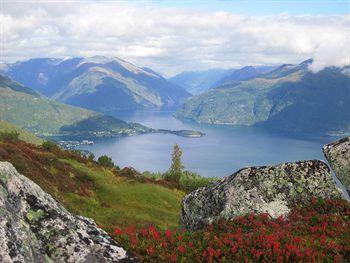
[
  {"x": 319, "y": 232},
  {"x": 190, "y": 181},
  {"x": 50, "y": 146},
  {"x": 91, "y": 157},
  {"x": 10, "y": 136},
  {"x": 105, "y": 161},
  {"x": 153, "y": 175}
]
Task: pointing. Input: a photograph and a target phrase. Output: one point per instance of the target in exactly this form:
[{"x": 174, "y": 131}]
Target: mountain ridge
[
  {"x": 98, "y": 83},
  {"x": 289, "y": 98}
]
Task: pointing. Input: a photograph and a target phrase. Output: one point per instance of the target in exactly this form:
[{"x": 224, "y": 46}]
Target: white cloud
[{"x": 170, "y": 39}]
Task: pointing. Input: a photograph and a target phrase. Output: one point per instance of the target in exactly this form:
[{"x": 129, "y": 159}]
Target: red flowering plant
[{"x": 319, "y": 232}]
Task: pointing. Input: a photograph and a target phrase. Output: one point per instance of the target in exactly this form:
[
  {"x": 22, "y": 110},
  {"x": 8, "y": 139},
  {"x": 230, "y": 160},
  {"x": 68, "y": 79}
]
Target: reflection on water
[{"x": 221, "y": 152}]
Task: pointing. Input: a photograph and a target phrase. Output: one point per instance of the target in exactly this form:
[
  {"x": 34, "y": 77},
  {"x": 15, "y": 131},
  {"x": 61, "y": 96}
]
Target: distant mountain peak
[
  {"x": 100, "y": 83},
  {"x": 307, "y": 62},
  {"x": 125, "y": 64}
]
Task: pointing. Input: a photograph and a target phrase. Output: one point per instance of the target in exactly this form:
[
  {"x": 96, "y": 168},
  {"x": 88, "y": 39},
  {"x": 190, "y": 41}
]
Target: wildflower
[
  {"x": 182, "y": 249},
  {"x": 152, "y": 229},
  {"x": 118, "y": 231},
  {"x": 133, "y": 241},
  {"x": 144, "y": 232},
  {"x": 150, "y": 250},
  {"x": 168, "y": 233}
]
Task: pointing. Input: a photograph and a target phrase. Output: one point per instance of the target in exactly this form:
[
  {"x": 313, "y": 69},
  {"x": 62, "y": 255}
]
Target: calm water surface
[{"x": 221, "y": 152}]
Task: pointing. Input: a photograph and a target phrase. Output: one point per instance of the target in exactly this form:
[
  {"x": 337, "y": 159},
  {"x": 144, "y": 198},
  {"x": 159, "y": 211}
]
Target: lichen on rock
[
  {"x": 338, "y": 156},
  {"x": 35, "y": 228},
  {"x": 267, "y": 189}
]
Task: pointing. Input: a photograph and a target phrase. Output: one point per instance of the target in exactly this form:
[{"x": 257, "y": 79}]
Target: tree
[
  {"x": 105, "y": 161},
  {"x": 176, "y": 168}
]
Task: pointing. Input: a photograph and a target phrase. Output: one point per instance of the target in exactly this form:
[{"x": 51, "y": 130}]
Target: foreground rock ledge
[
  {"x": 338, "y": 156},
  {"x": 35, "y": 228},
  {"x": 267, "y": 189}
]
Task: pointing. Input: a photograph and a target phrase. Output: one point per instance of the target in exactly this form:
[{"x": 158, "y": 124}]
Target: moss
[
  {"x": 34, "y": 216},
  {"x": 48, "y": 259}
]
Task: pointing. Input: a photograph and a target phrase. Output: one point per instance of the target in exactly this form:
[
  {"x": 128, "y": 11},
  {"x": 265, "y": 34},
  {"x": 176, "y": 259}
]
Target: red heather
[{"x": 319, "y": 232}]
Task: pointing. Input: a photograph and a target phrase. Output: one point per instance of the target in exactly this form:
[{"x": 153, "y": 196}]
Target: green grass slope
[
  {"x": 27, "y": 109},
  {"x": 112, "y": 197},
  {"x": 23, "y": 135}
]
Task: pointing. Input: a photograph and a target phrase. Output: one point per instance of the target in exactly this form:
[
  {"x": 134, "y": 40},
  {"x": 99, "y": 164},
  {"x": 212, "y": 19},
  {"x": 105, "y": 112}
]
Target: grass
[
  {"x": 23, "y": 135},
  {"x": 122, "y": 201},
  {"x": 112, "y": 197}
]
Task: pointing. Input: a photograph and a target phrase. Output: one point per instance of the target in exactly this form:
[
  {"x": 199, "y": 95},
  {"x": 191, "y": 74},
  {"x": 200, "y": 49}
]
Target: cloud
[{"x": 170, "y": 40}]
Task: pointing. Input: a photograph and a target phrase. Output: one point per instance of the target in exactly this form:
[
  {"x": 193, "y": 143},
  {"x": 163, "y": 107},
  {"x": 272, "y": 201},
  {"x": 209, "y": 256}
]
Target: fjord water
[{"x": 221, "y": 152}]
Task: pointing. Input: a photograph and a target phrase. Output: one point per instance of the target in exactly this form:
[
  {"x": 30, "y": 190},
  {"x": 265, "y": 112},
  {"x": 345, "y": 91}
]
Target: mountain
[
  {"x": 244, "y": 73},
  {"x": 197, "y": 82},
  {"x": 98, "y": 83},
  {"x": 290, "y": 98},
  {"x": 21, "y": 106}
]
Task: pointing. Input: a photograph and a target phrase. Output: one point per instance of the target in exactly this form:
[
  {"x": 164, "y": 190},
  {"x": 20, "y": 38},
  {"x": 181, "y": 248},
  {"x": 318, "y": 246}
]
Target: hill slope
[
  {"x": 98, "y": 83},
  {"x": 289, "y": 98},
  {"x": 23, "y": 135},
  {"x": 27, "y": 109},
  {"x": 110, "y": 196}
]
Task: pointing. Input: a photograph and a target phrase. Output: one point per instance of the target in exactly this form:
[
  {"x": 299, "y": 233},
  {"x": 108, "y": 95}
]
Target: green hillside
[
  {"x": 290, "y": 98},
  {"x": 23, "y": 135},
  {"x": 112, "y": 197},
  {"x": 27, "y": 109}
]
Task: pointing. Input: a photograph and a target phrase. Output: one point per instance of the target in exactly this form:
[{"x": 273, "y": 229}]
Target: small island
[{"x": 182, "y": 133}]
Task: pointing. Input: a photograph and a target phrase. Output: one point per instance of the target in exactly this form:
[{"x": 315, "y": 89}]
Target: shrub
[
  {"x": 91, "y": 157},
  {"x": 191, "y": 181},
  {"x": 319, "y": 232},
  {"x": 10, "y": 136},
  {"x": 153, "y": 175},
  {"x": 105, "y": 161},
  {"x": 50, "y": 146}
]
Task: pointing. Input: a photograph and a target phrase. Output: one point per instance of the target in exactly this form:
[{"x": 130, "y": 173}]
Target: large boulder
[
  {"x": 338, "y": 156},
  {"x": 267, "y": 189},
  {"x": 35, "y": 228}
]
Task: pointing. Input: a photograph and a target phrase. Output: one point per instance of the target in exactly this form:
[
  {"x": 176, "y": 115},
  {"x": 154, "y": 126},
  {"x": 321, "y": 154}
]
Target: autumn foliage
[{"x": 319, "y": 232}]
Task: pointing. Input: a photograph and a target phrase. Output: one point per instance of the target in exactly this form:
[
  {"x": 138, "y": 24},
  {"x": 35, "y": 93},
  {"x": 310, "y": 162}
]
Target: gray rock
[
  {"x": 268, "y": 189},
  {"x": 338, "y": 156},
  {"x": 35, "y": 228}
]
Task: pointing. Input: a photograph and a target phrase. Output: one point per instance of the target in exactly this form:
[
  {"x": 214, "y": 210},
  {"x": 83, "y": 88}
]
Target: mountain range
[
  {"x": 98, "y": 83},
  {"x": 289, "y": 98},
  {"x": 197, "y": 82},
  {"x": 26, "y": 108}
]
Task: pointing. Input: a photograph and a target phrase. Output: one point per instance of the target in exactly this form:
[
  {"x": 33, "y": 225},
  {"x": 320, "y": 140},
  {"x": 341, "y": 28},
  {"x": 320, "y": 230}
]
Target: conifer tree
[{"x": 176, "y": 168}]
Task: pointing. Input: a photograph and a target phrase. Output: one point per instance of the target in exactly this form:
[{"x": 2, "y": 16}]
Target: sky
[{"x": 175, "y": 36}]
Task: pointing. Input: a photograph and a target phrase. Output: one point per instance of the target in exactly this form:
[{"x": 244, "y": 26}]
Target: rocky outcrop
[
  {"x": 35, "y": 228},
  {"x": 338, "y": 156},
  {"x": 268, "y": 189}
]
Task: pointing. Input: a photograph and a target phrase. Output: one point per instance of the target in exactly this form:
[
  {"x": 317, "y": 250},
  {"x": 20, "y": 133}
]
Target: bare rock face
[
  {"x": 268, "y": 189},
  {"x": 35, "y": 228},
  {"x": 338, "y": 156}
]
